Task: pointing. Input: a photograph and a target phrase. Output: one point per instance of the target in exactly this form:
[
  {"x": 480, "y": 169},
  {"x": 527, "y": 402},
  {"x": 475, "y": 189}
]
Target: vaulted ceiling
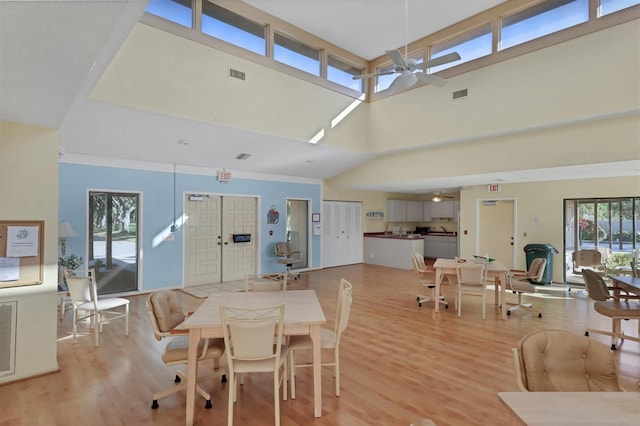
[{"x": 53, "y": 53}]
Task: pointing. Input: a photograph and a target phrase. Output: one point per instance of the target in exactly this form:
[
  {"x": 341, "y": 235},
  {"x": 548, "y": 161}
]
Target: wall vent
[
  {"x": 460, "y": 94},
  {"x": 237, "y": 74},
  {"x": 8, "y": 315}
]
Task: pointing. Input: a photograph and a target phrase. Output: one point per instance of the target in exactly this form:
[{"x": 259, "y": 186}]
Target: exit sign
[
  {"x": 224, "y": 176},
  {"x": 495, "y": 188}
]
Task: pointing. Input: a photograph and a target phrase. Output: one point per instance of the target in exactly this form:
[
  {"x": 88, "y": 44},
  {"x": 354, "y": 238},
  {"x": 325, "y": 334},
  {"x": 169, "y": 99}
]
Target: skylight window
[
  {"x": 611, "y": 6},
  {"x": 342, "y": 73},
  {"x": 178, "y": 11},
  {"x": 228, "y": 26},
  {"x": 296, "y": 54},
  {"x": 470, "y": 45},
  {"x": 542, "y": 19}
]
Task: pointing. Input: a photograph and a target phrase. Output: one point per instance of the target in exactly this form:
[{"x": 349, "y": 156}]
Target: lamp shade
[
  {"x": 405, "y": 80},
  {"x": 65, "y": 230}
]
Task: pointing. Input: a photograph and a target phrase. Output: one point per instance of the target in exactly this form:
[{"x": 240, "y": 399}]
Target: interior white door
[
  {"x": 202, "y": 240},
  {"x": 352, "y": 233},
  {"x": 331, "y": 234},
  {"x": 496, "y": 230},
  {"x": 238, "y": 217},
  {"x": 341, "y": 233}
]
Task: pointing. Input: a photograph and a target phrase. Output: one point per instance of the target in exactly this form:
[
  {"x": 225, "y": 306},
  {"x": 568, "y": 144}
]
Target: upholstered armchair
[{"x": 561, "y": 361}]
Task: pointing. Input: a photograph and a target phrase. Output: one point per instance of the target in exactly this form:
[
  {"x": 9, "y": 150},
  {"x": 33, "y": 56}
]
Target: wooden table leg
[
  {"x": 436, "y": 309},
  {"x": 503, "y": 294},
  {"x": 192, "y": 372},
  {"x": 317, "y": 370}
]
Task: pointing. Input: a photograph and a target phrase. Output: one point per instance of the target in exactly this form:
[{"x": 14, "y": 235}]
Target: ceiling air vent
[
  {"x": 460, "y": 94},
  {"x": 237, "y": 74}
]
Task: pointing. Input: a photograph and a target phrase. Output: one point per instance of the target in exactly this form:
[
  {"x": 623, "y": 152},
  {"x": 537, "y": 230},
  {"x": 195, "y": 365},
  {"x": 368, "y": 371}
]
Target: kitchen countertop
[{"x": 393, "y": 237}]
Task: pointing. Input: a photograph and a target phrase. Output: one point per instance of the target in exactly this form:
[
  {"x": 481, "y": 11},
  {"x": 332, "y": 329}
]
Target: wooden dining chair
[
  {"x": 329, "y": 339},
  {"x": 87, "y": 305},
  {"x": 472, "y": 279},
  {"x": 249, "y": 341}
]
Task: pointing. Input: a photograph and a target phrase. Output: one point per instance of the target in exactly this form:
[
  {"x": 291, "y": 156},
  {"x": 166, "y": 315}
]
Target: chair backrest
[
  {"x": 587, "y": 257},
  {"x": 561, "y": 361},
  {"x": 344, "y": 309},
  {"x": 345, "y": 287},
  {"x": 80, "y": 289},
  {"x": 249, "y": 333},
  {"x": 418, "y": 262},
  {"x": 471, "y": 273},
  {"x": 536, "y": 269},
  {"x": 263, "y": 283},
  {"x": 164, "y": 312},
  {"x": 283, "y": 249},
  {"x": 596, "y": 287}
]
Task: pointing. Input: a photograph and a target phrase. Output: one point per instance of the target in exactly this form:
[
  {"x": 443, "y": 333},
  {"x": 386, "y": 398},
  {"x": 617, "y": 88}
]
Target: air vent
[
  {"x": 460, "y": 94},
  {"x": 237, "y": 74},
  {"x": 8, "y": 315}
]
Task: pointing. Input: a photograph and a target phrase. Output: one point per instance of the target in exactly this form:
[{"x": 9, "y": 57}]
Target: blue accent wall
[{"x": 161, "y": 262}]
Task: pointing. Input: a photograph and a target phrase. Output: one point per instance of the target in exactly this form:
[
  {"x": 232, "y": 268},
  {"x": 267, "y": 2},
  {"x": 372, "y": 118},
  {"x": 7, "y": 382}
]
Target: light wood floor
[{"x": 398, "y": 363}]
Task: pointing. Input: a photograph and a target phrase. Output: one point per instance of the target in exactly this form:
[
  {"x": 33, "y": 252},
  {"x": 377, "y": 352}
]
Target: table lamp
[{"x": 64, "y": 231}]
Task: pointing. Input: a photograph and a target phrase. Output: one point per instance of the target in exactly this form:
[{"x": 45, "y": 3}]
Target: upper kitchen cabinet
[
  {"x": 444, "y": 209},
  {"x": 426, "y": 211},
  {"x": 414, "y": 211},
  {"x": 396, "y": 210}
]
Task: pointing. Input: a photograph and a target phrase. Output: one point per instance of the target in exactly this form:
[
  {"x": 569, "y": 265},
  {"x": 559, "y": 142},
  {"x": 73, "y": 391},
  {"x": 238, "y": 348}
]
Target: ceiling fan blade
[
  {"x": 441, "y": 60},
  {"x": 397, "y": 58},
  {"x": 405, "y": 80},
  {"x": 431, "y": 79},
  {"x": 375, "y": 74}
]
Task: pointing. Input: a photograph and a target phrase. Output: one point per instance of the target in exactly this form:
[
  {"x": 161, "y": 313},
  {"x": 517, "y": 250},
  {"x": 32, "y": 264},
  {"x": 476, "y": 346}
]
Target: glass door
[
  {"x": 298, "y": 229},
  {"x": 113, "y": 241}
]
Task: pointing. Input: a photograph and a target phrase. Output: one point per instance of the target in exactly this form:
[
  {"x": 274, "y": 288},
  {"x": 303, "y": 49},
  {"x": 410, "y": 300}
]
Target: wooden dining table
[
  {"x": 303, "y": 315},
  {"x": 496, "y": 270},
  {"x": 627, "y": 283},
  {"x": 573, "y": 408}
]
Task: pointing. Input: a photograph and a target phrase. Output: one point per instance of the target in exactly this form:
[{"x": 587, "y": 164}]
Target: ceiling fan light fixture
[
  {"x": 436, "y": 198},
  {"x": 404, "y": 81}
]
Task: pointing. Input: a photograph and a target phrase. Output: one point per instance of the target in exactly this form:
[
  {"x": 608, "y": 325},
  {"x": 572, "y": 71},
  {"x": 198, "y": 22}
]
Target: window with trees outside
[{"x": 610, "y": 225}]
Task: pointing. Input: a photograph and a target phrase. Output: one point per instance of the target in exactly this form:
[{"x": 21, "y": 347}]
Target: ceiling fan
[
  {"x": 410, "y": 70},
  {"x": 437, "y": 197}
]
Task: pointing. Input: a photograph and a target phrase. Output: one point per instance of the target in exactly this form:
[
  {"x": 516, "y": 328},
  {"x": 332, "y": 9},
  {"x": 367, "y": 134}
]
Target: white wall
[{"x": 29, "y": 191}]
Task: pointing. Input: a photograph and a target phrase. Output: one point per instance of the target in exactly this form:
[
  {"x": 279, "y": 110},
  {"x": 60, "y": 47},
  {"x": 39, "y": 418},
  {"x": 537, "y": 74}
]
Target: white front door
[
  {"x": 202, "y": 240},
  {"x": 496, "y": 230},
  {"x": 238, "y": 217}
]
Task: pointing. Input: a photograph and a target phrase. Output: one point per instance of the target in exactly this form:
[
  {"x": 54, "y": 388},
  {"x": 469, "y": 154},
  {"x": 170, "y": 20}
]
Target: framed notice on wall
[{"x": 21, "y": 252}]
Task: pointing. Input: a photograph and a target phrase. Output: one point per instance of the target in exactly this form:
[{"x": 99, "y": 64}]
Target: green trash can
[{"x": 544, "y": 251}]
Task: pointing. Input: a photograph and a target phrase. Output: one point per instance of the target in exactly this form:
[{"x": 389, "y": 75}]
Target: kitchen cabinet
[
  {"x": 396, "y": 210},
  {"x": 414, "y": 211},
  {"x": 440, "y": 246},
  {"x": 341, "y": 233},
  {"x": 443, "y": 209},
  {"x": 394, "y": 252},
  {"x": 426, "y": 211}
]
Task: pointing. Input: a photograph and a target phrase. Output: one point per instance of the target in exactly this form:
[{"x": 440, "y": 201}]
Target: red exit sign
[
  {"x": 224, "y": 176},
  {"x": 495, "y": 187}
]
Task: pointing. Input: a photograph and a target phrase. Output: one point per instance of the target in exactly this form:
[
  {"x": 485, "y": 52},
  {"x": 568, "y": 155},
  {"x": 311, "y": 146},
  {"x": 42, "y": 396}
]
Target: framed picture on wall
[{"x": 315, "y": 217}]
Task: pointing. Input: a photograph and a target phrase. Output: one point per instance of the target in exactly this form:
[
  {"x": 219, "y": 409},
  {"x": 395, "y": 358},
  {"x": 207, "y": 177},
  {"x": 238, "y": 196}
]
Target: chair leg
[
  {"x": 276, "y": 395},
  {"x": 336, "y": 360},
  {"x": 484, "y": 305},
  {"x": 292, "y": 373},
  {"x": 75, "y": 324},
  {"x": 232, "y": 398},
  {"x": 126, "y": 320}
]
